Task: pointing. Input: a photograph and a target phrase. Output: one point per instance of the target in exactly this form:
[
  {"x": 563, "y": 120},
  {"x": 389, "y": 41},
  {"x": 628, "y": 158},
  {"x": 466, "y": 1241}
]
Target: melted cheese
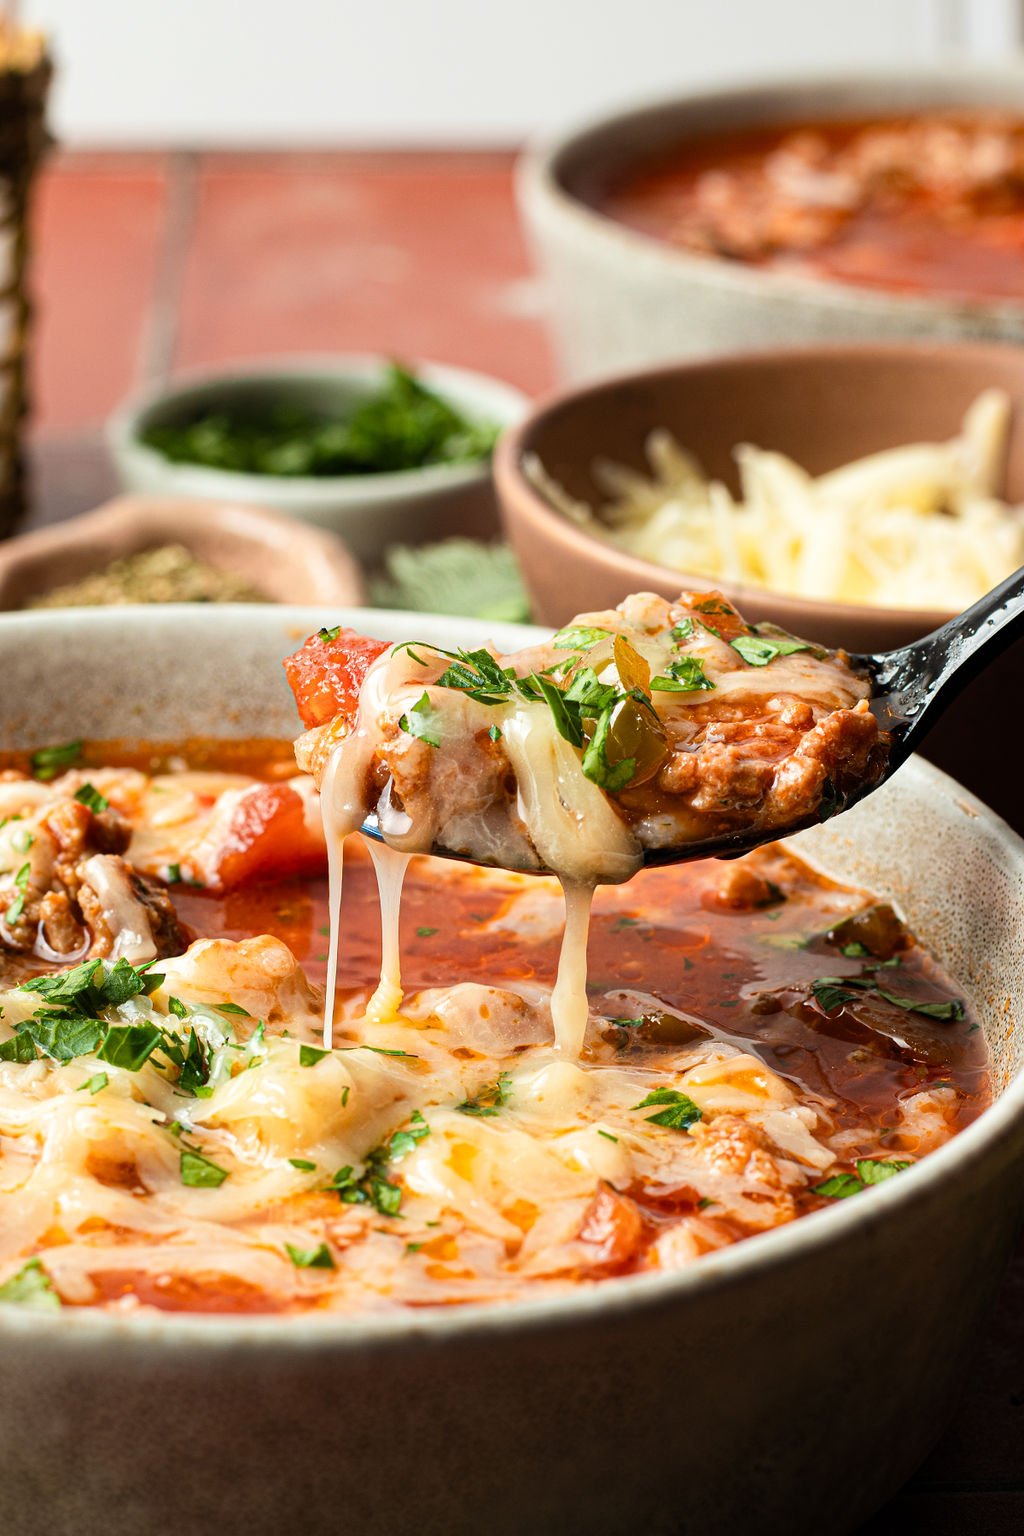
[
  {"x": 511, "y": 1145},
  {"x": 560, "y": 819},
  {"x": 515, "y": 1183},
  {"x": 572, "y": 823}
]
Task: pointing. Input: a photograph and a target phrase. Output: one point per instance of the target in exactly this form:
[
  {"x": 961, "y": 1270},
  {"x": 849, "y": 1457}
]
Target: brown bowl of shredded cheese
[{"x": 158, "y": 549}]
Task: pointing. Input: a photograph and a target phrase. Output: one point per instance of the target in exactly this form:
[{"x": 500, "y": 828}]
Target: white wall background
[{"x": 450, "y": 71}]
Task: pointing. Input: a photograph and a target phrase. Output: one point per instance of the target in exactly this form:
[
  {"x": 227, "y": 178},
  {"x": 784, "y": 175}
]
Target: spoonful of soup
[{"x": 650, "y": 733}]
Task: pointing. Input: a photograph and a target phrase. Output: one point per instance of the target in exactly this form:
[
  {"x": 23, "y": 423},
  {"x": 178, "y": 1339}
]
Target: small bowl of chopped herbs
[{"x": 378, "y": 452}]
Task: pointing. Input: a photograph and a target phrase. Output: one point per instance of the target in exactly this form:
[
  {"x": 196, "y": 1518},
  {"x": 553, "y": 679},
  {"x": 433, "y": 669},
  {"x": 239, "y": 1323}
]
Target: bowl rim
[
  {"x": 355, "y": 1333},
  {"x": 514, "y": 445},
  {"x": 498, "y": 400},
  {"x": 540, "y": 185}
]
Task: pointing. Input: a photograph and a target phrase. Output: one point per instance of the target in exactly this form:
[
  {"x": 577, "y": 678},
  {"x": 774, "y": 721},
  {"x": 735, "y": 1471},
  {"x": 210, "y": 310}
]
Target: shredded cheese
[{"x": 916, "y": 527}]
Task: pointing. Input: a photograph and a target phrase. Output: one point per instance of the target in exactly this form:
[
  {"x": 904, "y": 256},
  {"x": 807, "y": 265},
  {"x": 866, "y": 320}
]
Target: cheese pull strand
[
  {"x": 569, "y": 1007},
  {"x": 390, "y": 866}
]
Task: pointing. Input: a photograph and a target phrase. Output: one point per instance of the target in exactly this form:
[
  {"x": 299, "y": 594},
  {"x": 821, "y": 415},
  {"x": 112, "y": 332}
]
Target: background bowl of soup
[
  {"x": 823, "y": 407},
  {"x": 724, "y": 1397},
  {"x": 661, "y": 233}
]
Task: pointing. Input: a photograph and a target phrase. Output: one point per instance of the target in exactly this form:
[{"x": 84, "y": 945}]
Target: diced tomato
[
  {"x": 614, "y": 1228},
  {"x": 263, "y": 835},
  {"x": 327, "y": 674}
]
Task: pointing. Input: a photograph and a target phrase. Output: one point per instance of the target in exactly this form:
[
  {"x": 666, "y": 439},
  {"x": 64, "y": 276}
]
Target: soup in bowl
[
  {"x": 878, "y": 203},
  {"x": 571, "y": 1368}
]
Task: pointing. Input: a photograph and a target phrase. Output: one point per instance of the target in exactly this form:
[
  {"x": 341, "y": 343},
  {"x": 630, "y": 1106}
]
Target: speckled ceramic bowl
[
  {"x": 722, "y": 1399},
  {"x": 619, "y": 299}
]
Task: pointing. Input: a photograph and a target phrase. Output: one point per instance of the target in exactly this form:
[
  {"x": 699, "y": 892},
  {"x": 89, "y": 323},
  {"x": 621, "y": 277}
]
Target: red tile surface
[
  {"x": 416, "y": 255},
  {"x": 98, "y": 229}
]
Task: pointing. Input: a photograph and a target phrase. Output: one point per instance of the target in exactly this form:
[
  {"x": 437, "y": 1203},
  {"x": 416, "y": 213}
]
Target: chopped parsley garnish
[
  {"x": 855, "y": 950},
  {"x": 20, "y": 1047},
  {"x": 593, "y": 696},
  {"x": 70, "y": 1025},
  {"x": 67, "y": 986},
  {"x": 566, "y": 712},
  {"x": 130, "y": 1045},
  {"x": 327, "y": 635},
  {"x": 373, "y": 1186},
  {"x": 234, "y": 1008},
  {"x": 94, "y": 1084},
  {"x": 680, "y": 1114},
  {"x": 831, "y": 993},
  {"x": 682, "y": 631},
  {"x": 48, "y": 762},
  {"x": 839, "y": 1186},
  {"x": 31, "y": 1287},
  {"x": 90, "y": 797},
  {"x": 310, "y": 1258},
  {"x": 478, "y": 674},
  {"x": 686, "y": 675},
  {"x": 174, "y": 874},
  {"x": 713, "y": 605},
  {"x": 194, "y": 1068},
  {"x": 59, "y": 1034},
  {"x": 198, "y": 1172},
  {"x": 606, "y": 1134},
  {"x": 950, "y": 1010},
  {"x": 759, "y": 650},
  {"x": 488, "y": 1100},
  {"x": 426, "y": 933},
  {"x": 579, "y": 637},
  {"x": 22, "y": 840},
  {"x": 481, "y": 677},
  {"x": 302, "y": 1164},
  {"x": 17, "y": 906},
  {"x": 870, "y": 1170},
  {"x": 404, "y": 1142},
  {"x": 494, "y": 733},
  {"x": 608, "y": 776},
  {"x": 90, "y": 986},
  {"x": 423, "y": 721},
  {"x": 309, "y": 1055}
]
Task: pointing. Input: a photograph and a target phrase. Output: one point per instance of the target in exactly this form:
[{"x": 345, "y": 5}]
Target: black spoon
[{"x": 910, "y": 689}]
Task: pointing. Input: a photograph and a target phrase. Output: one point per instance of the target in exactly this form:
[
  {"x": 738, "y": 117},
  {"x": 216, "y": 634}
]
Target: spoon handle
[{"x": 914, "y": 683}]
